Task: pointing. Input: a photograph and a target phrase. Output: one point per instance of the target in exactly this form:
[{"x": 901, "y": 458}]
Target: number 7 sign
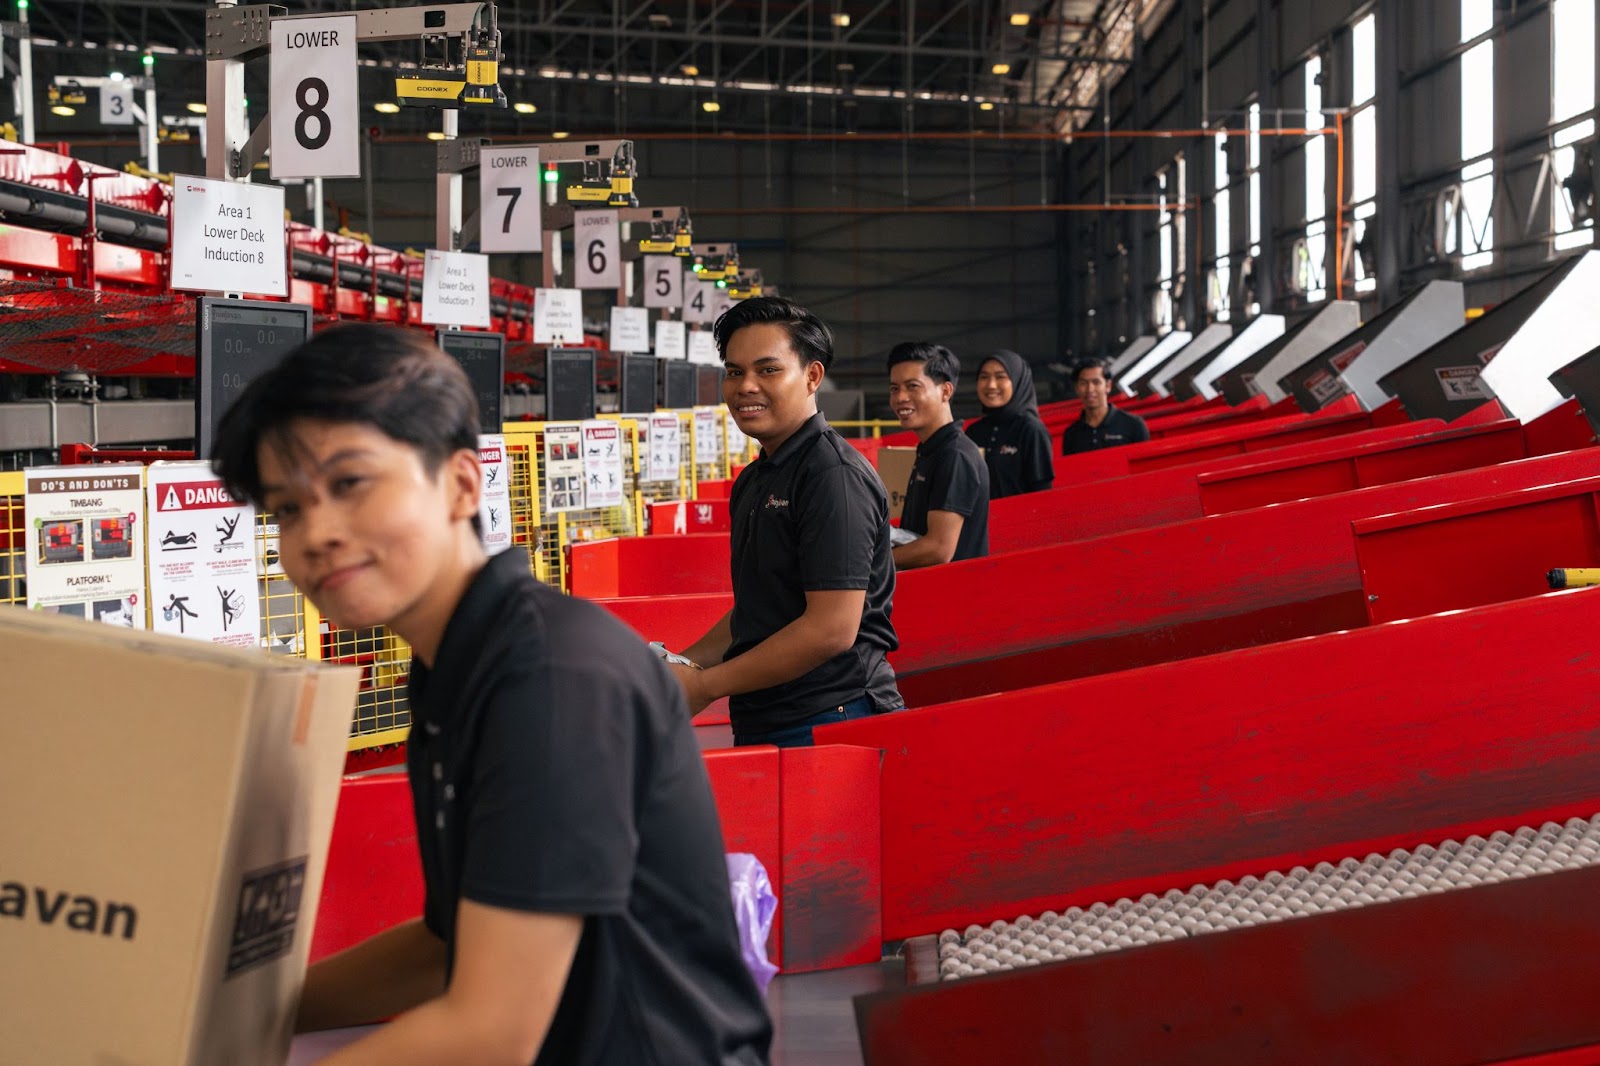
[{"x": 508, "y": 207}]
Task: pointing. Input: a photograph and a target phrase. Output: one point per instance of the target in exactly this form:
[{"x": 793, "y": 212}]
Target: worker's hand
[{"x": 695, "y": 691}]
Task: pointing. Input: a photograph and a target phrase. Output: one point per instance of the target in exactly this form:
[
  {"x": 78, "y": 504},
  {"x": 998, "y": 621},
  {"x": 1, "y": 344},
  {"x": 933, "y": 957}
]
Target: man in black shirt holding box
[
  {"x": 808, "y": 639},
  {"x": 947, "y": 495}
]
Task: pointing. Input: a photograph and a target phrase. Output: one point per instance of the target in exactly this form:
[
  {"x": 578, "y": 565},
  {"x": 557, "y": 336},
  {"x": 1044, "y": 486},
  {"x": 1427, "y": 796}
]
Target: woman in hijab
[{"x": 1013, "y": 438}]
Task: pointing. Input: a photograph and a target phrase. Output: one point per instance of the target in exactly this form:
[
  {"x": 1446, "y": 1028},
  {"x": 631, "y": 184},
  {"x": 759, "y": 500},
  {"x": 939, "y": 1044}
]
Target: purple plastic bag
[{"x": 753, "y": 908}]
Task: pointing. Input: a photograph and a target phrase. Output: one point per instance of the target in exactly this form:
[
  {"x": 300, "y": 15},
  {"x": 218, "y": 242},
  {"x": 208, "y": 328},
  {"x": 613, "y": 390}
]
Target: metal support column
[
  {"x": 25, "y": 75},
  {"x": 1139, "y": 285},
  {"x": 152, "y": 127},
  {"x": 227, "y": 126},
  {"x": 447, "y": 199},
  {"x": 1388, "y": 219},
  {"x": 1267, "y": 96}
]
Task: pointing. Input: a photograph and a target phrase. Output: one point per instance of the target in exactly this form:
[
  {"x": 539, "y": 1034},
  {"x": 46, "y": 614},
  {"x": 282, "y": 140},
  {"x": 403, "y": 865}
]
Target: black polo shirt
[
  {"x": 949, "y": 475},
  {"x": 553, "y": 769},
  {"x": 1016, "y": 449},
  {"x": 1117, "y": 428},
  {"x": 813, "y": 516}
]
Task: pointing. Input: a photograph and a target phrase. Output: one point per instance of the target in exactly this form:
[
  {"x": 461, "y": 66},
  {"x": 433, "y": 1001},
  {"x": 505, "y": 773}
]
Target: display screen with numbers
[
  {"x": 483, "y": 357},
  {"x": 680, "y": 389},
  {"x": 638, "y": 394},
  {"x": 569, "y": 384},
  {"x": 708, "y": 381},
  {"x": 236, "y": 341}
]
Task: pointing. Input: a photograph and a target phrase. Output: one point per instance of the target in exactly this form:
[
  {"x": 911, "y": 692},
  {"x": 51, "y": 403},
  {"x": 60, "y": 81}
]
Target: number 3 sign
[{"x": 315, "y": 98}]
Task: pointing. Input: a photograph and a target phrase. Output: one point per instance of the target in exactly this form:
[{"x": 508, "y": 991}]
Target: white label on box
[
  {"x": 663, "y": 281},
  {"x": 227, "y": 236},
  {"x": 510, "y": 204},
  {"x": 314, "y": 98},
  {"x": 597, "y": 249},
  {"x": 116, "y": 105},
  {"x": 203, "y": 582},
  {"x": 84, "y": 543},
  {"x": 665, "y": 448},
  {"x": 707, "y": 437},
  {"x": 700, "y": 301},
  {"x": 602, "y": 464},
  {"x": 630, "y": 329},
  {"x": 557, "y": 316},
  {"x": 494, "y": 506},
  {"x": 671, "y": 340},
  {"x": 563, "y": 467},
  {"x": 703, "y": 347},
  {"x": 455, "y": 289}
]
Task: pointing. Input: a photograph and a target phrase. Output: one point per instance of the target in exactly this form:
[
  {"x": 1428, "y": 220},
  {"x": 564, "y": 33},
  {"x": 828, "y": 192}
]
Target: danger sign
[{"x": 193, "y": 495}]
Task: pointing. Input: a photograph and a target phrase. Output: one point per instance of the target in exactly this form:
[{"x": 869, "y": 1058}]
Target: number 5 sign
[
  {"x": 663, "y": 281},
  {"x": 597, "y": 249},
  {"x": 314, "y": 98},
  {"x": 508, "y": 212}
]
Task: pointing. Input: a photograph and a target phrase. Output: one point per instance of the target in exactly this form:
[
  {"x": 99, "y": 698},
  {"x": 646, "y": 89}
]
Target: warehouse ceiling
[{"x": 590, "y": 66}]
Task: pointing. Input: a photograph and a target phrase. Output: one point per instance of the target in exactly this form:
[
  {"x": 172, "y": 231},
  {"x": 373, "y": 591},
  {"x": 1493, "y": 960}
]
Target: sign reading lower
[
  {"x": 508, "y": 184},
  {"x": 315, "y": 98},
  {"x": 203, "y": 581},
  {"x": 597, "y": 249},
  {"x": 227, "y": 236},
  {"x": 84, "y": 542},
  {"x": 455, "y": 289}
]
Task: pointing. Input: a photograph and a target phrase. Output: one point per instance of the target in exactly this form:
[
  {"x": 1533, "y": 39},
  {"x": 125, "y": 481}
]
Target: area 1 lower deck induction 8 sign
[
  {"x": 638, "y": 393},
  {"x": 680, "y": 390},
  {"x": 236, "y": 341},
  {"x": 483, "y": 357},
  {"x": 569, "y": 384}
]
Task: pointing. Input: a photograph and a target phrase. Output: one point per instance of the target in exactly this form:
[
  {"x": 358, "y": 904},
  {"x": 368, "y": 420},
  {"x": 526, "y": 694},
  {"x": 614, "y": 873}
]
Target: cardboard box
[
  {"x": 894, "y": 467},
  {"x": 167, "y": 809}
]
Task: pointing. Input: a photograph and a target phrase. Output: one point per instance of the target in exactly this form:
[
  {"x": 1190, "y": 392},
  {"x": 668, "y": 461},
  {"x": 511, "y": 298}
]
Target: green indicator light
[
  {"x": 149, "y": 60},
  {"x": 551, "y": 177}
]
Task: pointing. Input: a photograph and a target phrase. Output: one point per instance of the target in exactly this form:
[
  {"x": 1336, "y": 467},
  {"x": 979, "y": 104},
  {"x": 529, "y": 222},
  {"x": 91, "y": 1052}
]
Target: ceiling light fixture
[
  {"x": 386, "y": 107},
  {"x": 841, "y": 20},
  {"x": 522, "y": 107},
  {"x": 561, "y": 135},
  {"x": 198, "y": 109},
  {"x": 435, "y": 135},
  {"x": 1021, "y": 18},
  {"x": 986, "y": 106},
  {"x": 1000, "y": 68},
  {"x": 690, "y": 70},
  {"x": 711, "y": 105},
  {"x": 63, "y": 110}
]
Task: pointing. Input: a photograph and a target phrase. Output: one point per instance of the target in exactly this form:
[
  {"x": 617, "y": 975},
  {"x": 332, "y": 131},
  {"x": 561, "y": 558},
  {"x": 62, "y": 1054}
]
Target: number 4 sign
[
  {"x": 508, "y": 180},
  {"x": 700, "y": 304},
  {"x": 597, "y": 248},
  {"x": 314, "y": 98}
]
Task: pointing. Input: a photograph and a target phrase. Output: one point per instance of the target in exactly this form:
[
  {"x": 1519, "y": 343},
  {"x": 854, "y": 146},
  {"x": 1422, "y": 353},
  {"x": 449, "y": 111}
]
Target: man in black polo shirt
[
  {"x": 947, "y": 495},
  {"x": 808, "y": 639},
  {"x": 1100, "y": 425},
  {"x": 577, "y": 904}
]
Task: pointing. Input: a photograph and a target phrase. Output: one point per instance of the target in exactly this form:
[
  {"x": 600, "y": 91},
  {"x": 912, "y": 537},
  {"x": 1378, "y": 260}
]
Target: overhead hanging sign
[
  {"x": 116, "y": 105},
  {"x": 630, "y": 329},
  {"x": 509, "y": 201},
  {"x": 455, "y": 289},
  {"x": 557, "y": 316},
  {"x": 703, "y": 347},
  {"x": 597, "y": 249},
  {"x": 494, "y": 505},
  {"x": 84, "y": 545},
  {"x": 700, "y": 301},
  {"x": 227, "y": 236},
  {"x": 663, "y": 281},
  {"x": 670, "y": 340},
  {"x": 203, "y": 582},
  {"x": 315, "y": 99}
]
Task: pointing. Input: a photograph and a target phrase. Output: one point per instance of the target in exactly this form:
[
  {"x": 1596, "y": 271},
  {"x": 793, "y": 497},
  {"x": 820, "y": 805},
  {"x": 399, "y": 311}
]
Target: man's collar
[
  {"x": 465, "y": 632},
  {"x": 809, "y": 430},
  {"x": 939, "y": 438}
]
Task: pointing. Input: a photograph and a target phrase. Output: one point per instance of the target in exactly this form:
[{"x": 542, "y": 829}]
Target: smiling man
[
  {"x": 808, "y": 639},
  {"x": 947, "y": 495},
  {"x": 576, "y": 905},
  {"x": 1101, "y": 425}
]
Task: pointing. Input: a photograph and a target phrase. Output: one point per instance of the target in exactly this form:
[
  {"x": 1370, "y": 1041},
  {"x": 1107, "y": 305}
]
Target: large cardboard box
[
  {"x": 167, "y": 809},
  {"x": 894, "y": 467}
]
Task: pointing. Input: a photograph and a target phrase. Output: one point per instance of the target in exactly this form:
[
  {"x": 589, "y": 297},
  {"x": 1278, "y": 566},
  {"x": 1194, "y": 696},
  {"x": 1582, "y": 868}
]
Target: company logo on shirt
[
  {"x": 920, "y": 477},
  {"x": 1009, "y": 449},
  {"x": 775, "y": 504}
]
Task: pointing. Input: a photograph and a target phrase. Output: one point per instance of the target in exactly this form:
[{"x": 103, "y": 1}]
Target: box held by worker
[
  {"x": 894, "y": 467},
  {"x": 168, "y": 805}
]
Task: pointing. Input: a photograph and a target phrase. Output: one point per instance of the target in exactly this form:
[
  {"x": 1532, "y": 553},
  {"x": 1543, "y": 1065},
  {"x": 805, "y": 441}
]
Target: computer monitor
[
  {"x": 483, "y": 357},
  {"x": 569, "y": 384},
  {"x": 236, "y": 341}
]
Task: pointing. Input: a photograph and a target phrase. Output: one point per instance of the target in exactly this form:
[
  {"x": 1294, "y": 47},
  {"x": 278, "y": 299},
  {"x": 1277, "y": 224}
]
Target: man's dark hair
[
  {"x": 938, "y": 362},
  {"x": 394, "y": 380},
  {"x": 1089, "y": 364},
  {"x": 808, "y": 335}
]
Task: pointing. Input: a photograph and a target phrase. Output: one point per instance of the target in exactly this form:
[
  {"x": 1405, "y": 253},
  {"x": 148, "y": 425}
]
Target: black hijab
[{"x": 1024, "y": 400}]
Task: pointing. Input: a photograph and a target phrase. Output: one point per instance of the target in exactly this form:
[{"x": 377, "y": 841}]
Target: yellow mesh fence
[{"x": 290, "y": 625}]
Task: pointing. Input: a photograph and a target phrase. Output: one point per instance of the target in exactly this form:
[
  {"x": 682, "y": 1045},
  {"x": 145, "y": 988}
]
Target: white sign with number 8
[
  {"x": 597, "y": 247},
  {"x": 315, "y": 98},
  {"x": 509, "y": 205}
]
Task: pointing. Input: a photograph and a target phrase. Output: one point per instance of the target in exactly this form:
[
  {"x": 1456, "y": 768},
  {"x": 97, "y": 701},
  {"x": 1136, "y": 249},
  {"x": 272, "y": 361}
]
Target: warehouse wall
[{"x": 1253, "y": 51}]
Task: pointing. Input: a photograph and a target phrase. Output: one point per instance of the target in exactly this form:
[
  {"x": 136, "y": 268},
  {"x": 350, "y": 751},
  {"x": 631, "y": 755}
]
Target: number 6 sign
[
  {"x": 315, "y": 99},
  {"x": 597, "y": 249}
]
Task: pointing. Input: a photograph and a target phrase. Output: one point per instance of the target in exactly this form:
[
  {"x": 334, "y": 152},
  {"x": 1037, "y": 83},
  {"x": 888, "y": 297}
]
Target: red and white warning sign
[{"x": 203, "y": 582}]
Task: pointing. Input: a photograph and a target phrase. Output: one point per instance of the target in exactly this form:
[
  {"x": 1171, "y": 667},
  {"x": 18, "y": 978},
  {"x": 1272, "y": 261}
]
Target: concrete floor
[{"x": 814, "y": 1018}]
